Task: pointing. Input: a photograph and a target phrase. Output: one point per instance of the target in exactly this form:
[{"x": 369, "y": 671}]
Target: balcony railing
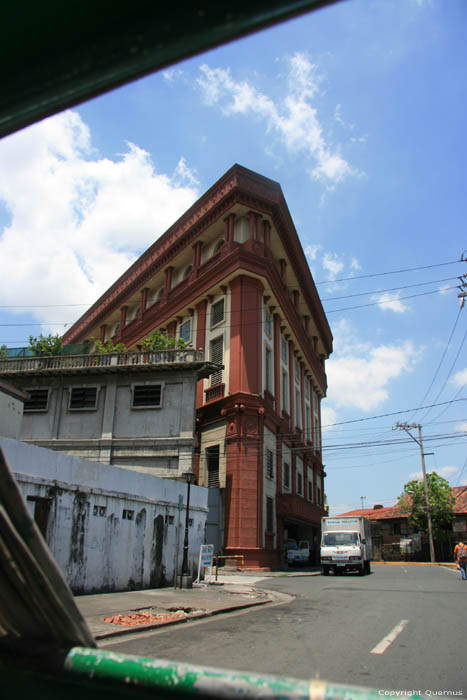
[{"x": 114, "y": 359}]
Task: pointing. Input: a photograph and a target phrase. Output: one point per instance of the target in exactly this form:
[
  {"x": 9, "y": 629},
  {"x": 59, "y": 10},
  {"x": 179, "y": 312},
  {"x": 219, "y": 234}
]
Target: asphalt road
[{"x": 401, "y": 628}]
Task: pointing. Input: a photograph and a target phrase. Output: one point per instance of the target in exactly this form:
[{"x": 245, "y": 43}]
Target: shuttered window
[
  {"x": 269, "y": 464},
  {"x": 217, "y": 312},
  {"x": 217, "y": 355},
  {"x": 83, "y": 398},
  {"x": 38, "y": 400},
  {"x": 212, "y": 464},
  {"x": 147, "y": 395}
]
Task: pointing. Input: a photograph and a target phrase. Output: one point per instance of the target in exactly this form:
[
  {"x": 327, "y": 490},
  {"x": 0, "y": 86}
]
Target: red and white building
[{"x": 230, "y": 276}]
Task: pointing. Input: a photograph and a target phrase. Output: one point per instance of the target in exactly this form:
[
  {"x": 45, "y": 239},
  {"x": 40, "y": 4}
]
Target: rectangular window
[
  {"x": 316, "y": 426},
  {"x": 268, "y": 369},
  {"x": 269, "y": 464},
  {"x": 128, "y": 514},
  {"x": 285, "y": 392},
  {"x": 298, "y": 408},
  {"x": 286, "y": 481},
  {"x": 212, "y": 465},
  {"x": 310, "y": 490},
  {"x": 217, "y": 312},
  {"x": 38, "y": 400},
  {"x": 185, "y": 331},
  {"x": 217, "y": 355},
  {"x": 299, "y": 483},
  {"x": 297, "y": 372},
  {"x": 284, "y": 350},
  {"x": 147, "y": 396},
  {"x": 267, "y": 323},
  {"x": 319, "y": 496},
  {"x": 308, "y": 421},
  {"x": 269, "y": 514},
  {"x": 83, "y": 398}
]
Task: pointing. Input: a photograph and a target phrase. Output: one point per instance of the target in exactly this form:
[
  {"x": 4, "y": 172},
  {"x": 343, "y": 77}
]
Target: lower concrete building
[{"x": 108, "y": 529}]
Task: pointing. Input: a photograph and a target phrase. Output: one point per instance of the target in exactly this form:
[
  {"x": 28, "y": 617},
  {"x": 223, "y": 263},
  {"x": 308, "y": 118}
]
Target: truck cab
[{"x": 345, "y": 545}]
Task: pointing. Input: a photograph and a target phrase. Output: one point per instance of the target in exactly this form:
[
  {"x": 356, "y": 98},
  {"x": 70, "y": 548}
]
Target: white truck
[{"x": 345, "y": 545}]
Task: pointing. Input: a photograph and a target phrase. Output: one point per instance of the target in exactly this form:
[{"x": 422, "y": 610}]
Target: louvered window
[
  {"x": 38, "y": 400},
  {"x": 212, "y": 464},
  {"x": 269, "y": 464},
  {"x": 267, "y": 369},
  {"x": 217, "y": 312},
  {"x": 147, "y": 396},
  {"x": 217, "y": 356},
  {"x": 83, "y": 398}
]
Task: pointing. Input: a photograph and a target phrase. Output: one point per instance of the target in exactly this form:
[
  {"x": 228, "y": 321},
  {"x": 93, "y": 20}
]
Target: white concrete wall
[
  {"x": 95, "y": 546},
  {"x": 11, "y": 415}
]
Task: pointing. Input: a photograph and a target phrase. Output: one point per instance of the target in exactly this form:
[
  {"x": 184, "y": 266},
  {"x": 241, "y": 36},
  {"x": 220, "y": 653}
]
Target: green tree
[
  {"x": 101, "y": 348},
  {"x": 45, "y": 345},
  {"x": 3, "y": 352},
  {"x": 441, "y": 503},
  {"x": 159, "y": 340}
]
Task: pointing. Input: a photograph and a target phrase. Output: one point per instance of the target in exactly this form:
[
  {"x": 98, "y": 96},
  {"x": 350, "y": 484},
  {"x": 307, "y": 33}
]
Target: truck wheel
[
  {"x": 325, "y": 570},
  {"x": 362, "y": 570},
  {"x": 367, "y": 567}
]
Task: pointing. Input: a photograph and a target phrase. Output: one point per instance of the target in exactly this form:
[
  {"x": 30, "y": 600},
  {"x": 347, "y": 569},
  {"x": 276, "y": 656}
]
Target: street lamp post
[{"x": 185, "y": 579}]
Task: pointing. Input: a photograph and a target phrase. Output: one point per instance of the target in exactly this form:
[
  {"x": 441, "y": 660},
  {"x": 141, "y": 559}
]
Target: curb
[
  {"x": 194, "y": 616},
  {"x": 412, "y": 563}
]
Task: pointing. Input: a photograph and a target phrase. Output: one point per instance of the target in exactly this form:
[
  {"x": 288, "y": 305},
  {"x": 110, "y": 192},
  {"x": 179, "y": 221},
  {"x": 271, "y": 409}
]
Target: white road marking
[{"x": 389, "y": 638}]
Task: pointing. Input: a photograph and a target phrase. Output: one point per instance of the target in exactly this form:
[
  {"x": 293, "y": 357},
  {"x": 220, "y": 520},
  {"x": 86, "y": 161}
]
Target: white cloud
[
  {"x": 460, "y": 378},
  {"x": 293, "y": 119},
  {"x": 444, "y": 472},
  {"x": 311, "y": 252},
  {"x": 328, "y": 417},
  {"x": 359, "y": 374},
  {"x": 332, "y": 265},
  {"x": 82, "y": 220},
  {"x": 391, "y": 302}
]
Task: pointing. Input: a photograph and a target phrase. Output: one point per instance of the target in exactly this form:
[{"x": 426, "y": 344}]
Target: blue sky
[{"x": 359, "y": 112}]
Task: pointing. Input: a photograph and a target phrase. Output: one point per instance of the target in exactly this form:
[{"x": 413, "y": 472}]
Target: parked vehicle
[
  {"x": 345, "y": 545},
  {"x": 291, "y": 548}
]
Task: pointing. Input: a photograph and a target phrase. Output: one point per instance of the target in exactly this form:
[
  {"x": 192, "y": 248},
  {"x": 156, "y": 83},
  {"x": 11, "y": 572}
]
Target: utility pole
[
  {"x": 407, "y": 428},
  {"x": 362, "y": 498}
]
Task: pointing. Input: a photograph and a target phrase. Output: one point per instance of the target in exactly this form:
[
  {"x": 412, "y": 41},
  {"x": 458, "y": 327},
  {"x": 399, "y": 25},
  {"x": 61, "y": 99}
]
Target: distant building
[
  {"x": 230, "y": 277},
  {"x": 390, "y": 527}
]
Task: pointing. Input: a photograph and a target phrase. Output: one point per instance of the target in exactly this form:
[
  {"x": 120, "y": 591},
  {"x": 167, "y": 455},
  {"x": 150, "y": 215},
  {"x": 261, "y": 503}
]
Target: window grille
[
  {"x": 217, "y": 312},
  {"x": 38, "y": 400},
  {"x": 217, "y": 356},
  {"x": 269, "y": 464},
  {"x": 83, "y": 397},
  {"x": 147, "y": 395},
  {"x": 269, "y": 514}
]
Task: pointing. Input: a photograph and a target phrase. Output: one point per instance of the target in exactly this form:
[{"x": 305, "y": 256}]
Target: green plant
[
  {"x": 3, "y": 352},
  {"x": 109, "y": 346},
  {"x": 45, "y": 345},
  {"x": 159, "y": 340},
  {"x": 441, "y": 502}
]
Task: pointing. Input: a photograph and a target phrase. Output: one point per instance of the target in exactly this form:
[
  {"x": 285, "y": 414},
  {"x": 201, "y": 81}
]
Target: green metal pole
[{"x": 202, "y": 682}]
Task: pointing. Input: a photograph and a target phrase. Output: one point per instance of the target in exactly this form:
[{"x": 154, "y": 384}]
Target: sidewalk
[{"x": 149, "y": 609}]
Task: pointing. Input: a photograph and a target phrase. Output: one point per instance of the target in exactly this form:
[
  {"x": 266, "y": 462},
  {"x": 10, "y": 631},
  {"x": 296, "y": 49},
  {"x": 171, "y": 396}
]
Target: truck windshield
[{"x": 331, "y": 539}]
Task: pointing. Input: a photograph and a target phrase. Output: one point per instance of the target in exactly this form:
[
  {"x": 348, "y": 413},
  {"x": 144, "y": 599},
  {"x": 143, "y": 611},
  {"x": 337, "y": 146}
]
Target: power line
[
  {"x": 390, "y": 289},
  {"x": 392, "y": 272},
  {"x": 450, "y": 371},
  {"x": 385, "y": 415},
  {"x": 255, "y": 323}
]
